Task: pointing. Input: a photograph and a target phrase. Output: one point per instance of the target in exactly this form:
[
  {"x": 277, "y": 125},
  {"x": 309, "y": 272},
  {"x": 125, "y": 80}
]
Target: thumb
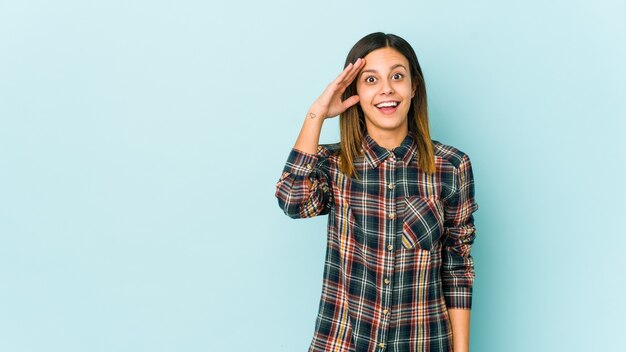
[{"x": 351, "y": 101}]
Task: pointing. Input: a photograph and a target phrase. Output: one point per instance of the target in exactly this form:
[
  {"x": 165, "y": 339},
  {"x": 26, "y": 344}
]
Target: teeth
[{"x": 387, "y": 104}]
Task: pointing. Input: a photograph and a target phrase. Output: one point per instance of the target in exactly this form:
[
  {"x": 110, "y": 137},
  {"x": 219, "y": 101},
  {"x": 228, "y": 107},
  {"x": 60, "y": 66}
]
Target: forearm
[
  {"x": 309, "y": 136},
  {"x": 329, "y": 104},
  {"x": 460, "y": 321}
]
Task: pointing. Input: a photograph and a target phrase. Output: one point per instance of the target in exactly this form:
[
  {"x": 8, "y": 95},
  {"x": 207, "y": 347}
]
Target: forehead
[{"x": 384, "y": 58}]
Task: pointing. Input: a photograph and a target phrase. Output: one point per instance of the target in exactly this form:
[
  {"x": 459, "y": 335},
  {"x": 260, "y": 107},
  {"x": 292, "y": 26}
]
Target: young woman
[{"x": 398, "y": 272}]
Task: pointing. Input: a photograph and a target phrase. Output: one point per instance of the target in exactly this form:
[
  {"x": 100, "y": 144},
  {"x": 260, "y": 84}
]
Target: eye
[
  {"x": 397, "y": 76},
  {"x": 370, "y": 79}
]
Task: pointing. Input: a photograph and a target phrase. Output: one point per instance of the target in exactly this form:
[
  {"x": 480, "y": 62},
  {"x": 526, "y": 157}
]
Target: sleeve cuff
[
  {"x": 458, "y": 297},
  {"x": 300, "y": 163}
]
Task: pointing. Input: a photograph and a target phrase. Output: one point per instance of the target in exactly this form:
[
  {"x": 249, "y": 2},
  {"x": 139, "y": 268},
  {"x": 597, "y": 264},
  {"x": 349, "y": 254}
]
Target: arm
[
  {"x": 329, "y": 104},
  {"x": 303, "y": 188},
  {"x": 458, "y": 265},
  {"x": 460, "y": 321}
]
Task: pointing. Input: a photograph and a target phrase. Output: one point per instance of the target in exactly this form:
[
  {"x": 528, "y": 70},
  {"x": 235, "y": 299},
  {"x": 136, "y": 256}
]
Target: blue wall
[{"x": 140, "y": 143}]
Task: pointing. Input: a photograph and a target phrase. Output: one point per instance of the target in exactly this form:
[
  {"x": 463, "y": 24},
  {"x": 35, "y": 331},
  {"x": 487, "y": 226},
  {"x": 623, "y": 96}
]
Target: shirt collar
[{"x": 375, "y": 154}]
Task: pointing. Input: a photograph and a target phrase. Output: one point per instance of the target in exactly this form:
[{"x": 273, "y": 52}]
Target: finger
[
  {"x": 346, "y": 77},
  {"x": 354, "y": 71},
  {"x": 358, "y": 65},
  {"x": 350, "y": 101},
  {"x": 358, "y": 68},
  {"x": 335, "y": 86},
  {"x": 344, "y": 73}
]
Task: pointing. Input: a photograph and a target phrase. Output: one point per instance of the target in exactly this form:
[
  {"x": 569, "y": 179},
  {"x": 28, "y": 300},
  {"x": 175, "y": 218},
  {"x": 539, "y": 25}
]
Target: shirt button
[
  {"x": 308, "y": 166},
  {"x": 386, "y": 311},
  {"x": 390, "y": 247},
  {"x": 392, "y": 216},
  {"x": 387, "y": 281},
  {"x": 391, "y": 185},
  {"x": 381, "y": 345}
]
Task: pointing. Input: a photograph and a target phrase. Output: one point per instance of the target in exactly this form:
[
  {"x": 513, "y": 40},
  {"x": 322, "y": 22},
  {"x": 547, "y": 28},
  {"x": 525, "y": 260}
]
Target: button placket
[
  {"x": 391, "y": 186},
  {"x": 389, "y": 258}
]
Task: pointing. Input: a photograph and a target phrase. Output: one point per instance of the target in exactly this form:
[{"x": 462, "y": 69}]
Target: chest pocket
[{"x": 422, "y": 223}]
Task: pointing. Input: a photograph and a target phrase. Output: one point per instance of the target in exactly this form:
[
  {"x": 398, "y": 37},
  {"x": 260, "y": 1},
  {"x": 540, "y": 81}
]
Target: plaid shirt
[{"x": 398, "y": 249}]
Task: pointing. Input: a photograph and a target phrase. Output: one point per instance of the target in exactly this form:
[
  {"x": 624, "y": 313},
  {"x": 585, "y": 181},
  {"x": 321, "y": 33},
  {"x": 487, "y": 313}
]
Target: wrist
[
  {"x": 315, "y": 114},
  {"x": 317, "y": 111},
  {"x": 314, "y": 118}
]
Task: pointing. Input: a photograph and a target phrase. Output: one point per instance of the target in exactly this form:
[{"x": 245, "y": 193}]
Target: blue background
[{"x": 140, "y": 144}]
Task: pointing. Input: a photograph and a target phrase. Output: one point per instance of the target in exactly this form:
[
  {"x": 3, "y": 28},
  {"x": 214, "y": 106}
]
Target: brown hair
[{"x": 352, "y": 121}]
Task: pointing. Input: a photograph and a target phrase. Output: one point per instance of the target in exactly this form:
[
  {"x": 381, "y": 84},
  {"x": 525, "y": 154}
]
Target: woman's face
[{"x": 385, "y": 90}]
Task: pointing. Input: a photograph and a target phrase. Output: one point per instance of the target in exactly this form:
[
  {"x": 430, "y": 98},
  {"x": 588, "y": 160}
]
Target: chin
[{"x": 390, "y": 126}]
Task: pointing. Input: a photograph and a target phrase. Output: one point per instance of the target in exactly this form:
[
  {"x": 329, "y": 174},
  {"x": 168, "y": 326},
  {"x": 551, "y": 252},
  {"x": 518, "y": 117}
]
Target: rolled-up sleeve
[
  {"x": 295, "y": 197},
  {"x": 457, "y": 264}
]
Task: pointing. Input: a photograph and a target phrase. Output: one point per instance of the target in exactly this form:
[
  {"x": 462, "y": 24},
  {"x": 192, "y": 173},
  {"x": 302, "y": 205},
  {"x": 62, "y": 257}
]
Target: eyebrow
[{"x": 392, "y": 68}]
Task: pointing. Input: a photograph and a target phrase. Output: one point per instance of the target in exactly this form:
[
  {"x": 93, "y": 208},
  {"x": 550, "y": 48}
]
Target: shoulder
[{"x": 449, "y": 154}]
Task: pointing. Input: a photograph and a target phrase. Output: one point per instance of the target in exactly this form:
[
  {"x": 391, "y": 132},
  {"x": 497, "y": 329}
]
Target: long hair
[{"x": 352, "y": 121}]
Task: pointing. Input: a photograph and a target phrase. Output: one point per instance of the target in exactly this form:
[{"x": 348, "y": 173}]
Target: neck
[{"x": 388, "y": 139}]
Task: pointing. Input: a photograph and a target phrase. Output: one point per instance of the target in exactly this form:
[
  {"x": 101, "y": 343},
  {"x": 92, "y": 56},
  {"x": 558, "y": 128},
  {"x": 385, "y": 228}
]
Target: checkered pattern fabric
[{"x": 398, "y": 246}]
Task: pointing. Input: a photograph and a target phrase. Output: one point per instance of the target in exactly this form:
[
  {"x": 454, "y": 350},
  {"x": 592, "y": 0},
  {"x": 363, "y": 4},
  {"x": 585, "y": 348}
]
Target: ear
[{"x": 414, "y": 89}]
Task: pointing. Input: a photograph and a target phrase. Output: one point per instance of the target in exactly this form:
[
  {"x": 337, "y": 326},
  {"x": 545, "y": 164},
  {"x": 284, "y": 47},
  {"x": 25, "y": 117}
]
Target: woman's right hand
[{"x": 329, "y": 104}]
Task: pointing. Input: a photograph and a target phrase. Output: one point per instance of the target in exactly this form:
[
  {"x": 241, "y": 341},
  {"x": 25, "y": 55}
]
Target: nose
[{"x": 386, "y": 87}]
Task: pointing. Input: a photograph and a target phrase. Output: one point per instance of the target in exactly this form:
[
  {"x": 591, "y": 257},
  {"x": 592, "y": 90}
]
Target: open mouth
[{"x": 388, "y": 107}]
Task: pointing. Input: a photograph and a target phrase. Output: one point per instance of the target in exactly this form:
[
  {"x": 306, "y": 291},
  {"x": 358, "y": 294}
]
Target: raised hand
[{"x": 329, "y": 104}]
